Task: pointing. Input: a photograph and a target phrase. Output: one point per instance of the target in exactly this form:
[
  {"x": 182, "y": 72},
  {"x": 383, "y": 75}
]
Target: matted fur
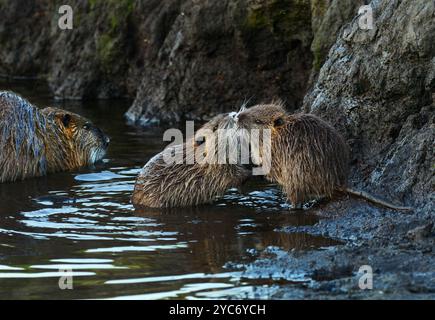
[
  {"x": 35, "y": 142},
  {"x": 162, "y": 185},
  {"x": 310, "y": 159}
]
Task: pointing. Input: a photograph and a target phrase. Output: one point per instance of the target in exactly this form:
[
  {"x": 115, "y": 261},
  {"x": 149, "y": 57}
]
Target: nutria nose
[
  {"x": 233, "y": 115},
  {"x": 103, "y": 137},
  {"x": 106, "y": 140}
]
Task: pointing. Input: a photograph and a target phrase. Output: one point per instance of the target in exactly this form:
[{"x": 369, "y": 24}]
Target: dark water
[{"x": 83, "y": 222}]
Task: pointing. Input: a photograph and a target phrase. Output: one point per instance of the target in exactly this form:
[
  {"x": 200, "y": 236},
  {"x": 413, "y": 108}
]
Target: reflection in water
[{"x": 83, "y": 221}]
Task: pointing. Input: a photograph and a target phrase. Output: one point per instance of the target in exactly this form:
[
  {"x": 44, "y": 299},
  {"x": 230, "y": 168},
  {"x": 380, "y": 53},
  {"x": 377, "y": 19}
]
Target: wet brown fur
[
  {"x": 34, "y": 142},
  {"x": 310, "y": 158},
  {"x": 162, "y": 185}
]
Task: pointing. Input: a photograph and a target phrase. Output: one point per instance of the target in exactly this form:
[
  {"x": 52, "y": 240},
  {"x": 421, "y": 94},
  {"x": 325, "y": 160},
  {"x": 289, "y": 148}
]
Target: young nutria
[
  {"x": 309, "y": 158},
  {"x": 190, "y": 182},
  {"x": 35, "y": 142}
]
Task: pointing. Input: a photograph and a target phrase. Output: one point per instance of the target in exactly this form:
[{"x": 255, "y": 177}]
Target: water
[{"x": 83, "y": 222}]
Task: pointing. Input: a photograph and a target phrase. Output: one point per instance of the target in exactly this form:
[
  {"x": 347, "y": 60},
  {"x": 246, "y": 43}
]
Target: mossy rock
[
  {"x": 286, "y": 19},
  {"x": 106, "y": 49},
  {"x": 319, "y": 54},
  {"x": 319, "y": 7},
  {"x": 110, "y": 43}
]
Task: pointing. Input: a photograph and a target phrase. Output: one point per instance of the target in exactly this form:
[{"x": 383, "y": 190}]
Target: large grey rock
[
  {"x": 328, "y": 17},
  {"x": 176, "y": 58},
  {"x": 24, "y": 40},
  {"x": 378, "y": 86},
  {"x": 216, "y": 54}
]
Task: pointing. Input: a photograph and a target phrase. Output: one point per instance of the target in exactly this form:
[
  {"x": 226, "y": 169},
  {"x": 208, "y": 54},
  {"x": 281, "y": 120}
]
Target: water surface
[{"x": 83, "y": 222}]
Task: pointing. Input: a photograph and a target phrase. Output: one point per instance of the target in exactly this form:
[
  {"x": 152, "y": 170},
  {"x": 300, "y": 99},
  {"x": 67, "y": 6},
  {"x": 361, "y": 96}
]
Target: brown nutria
[
  {"x": 34, "y": 142},
  {"x": 189, "y": 183},
  {"x": 309, "y": 158}
]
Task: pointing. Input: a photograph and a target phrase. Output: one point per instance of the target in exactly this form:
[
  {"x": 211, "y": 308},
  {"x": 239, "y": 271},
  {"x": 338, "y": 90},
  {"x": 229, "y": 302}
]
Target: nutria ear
[{"x": 66, "y": 119}]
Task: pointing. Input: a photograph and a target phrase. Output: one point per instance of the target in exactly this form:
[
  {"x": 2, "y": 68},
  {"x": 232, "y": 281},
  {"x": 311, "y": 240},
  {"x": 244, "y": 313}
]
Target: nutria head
[
  {"x": 256, "y": 128},
  {"x": 198, "y": 179},
  {"x": 86, "y": 142},
  {"x": 214, "y": 139},
  {"x": 263, "y": 116}
]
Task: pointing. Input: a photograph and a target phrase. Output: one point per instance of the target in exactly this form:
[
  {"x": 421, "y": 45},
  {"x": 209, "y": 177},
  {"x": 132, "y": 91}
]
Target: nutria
[
  {"x": 34, "y": 142},
  {"x": 189, "y": 183},
  {"x": 309, "y": 158}
]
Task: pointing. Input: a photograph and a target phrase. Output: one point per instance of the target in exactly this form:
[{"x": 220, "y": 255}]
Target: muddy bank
[{"x": 398, "y": 247}]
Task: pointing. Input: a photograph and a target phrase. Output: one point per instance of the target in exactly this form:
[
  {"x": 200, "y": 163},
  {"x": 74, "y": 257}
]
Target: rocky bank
[
  {"x": 378, "y": 86},
  {"x": 176, "y": 58}
]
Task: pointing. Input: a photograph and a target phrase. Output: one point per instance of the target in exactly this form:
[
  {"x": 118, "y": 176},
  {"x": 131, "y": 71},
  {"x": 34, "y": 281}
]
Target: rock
[
  {"x": 176, "y": 58},
  {"x": 24, "y": 40},
  {"x": 328, "y": 16},
  {"x": 97, "y": 58},
  {"x": 94, "y": 60},
  {"x": 216, "y": 54},
  {"x": 377, "y": 87}
]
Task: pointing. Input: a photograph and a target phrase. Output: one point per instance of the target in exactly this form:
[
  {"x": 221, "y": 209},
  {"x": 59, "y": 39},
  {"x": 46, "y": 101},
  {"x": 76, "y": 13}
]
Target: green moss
[
  {"x": 93, "y": 3},
  {"x": 106, "y": 49},
  {"x": 318, "y": 11},
  {"x": 318, "y": 55},
  {"x": 117, "y": 11},
  {"x": 114, "y": 22},
  {"x": 121, "y": 12},
  {"x": 109, "y": 44},
  {"x": 284, "y": 18},
  {"x": 319, "y": 7}
]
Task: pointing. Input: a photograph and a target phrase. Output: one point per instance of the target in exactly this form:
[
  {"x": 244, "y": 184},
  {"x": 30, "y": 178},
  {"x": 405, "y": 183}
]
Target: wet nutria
[
  {"x": 309, "y": 158},
  {"x": 34, "y": 142},
  {"x": 189, "y": 183}
]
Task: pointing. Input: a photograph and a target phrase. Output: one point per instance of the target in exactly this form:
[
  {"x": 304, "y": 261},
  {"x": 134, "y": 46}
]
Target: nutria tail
[{"x": 374, "y": 200}]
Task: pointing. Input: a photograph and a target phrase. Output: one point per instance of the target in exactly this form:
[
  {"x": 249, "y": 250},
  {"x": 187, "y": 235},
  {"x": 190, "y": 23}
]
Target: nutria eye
[
  {"x": 278, "y": 122},
  {"x": 258, "y": 121},
  {"x": 86, "y": 126},
  {"x": 200, "y": 141}
]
